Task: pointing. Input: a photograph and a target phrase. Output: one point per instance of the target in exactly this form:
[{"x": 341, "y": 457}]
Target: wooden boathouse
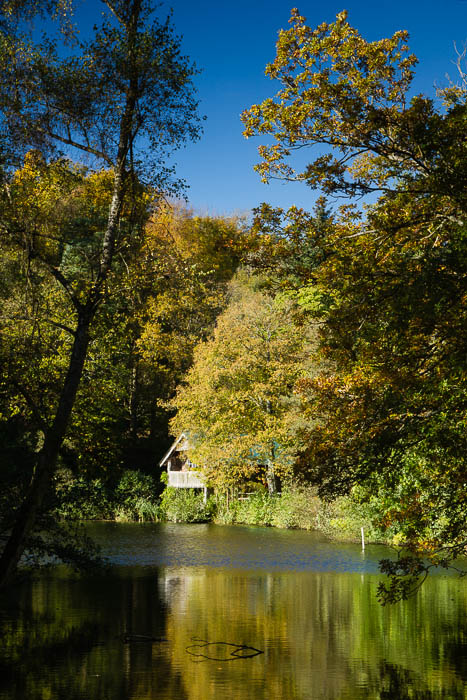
[{"x": 181, "y": 473}]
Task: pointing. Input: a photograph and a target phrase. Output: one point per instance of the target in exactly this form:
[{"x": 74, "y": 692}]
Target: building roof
[{"x": 181, "y": 437}]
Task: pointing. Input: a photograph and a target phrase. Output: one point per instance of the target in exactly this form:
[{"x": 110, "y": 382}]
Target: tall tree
[
  {"x": 389, "y": 409},
  {"x": 189, "y": 259},
  {"x": 237, "y": 403},
  {"x": 351, "y": 96},
  {"x": 123, "y": 100}
]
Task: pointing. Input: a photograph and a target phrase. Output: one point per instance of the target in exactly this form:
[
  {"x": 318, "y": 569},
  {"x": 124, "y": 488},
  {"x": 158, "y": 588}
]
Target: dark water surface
[{"x": 185, "y": 610}]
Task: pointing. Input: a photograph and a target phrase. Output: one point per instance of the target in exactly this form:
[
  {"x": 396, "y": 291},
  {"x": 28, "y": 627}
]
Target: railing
[
  {"x": 185, "y": 480},
  {"x": 248, "y": 494}
]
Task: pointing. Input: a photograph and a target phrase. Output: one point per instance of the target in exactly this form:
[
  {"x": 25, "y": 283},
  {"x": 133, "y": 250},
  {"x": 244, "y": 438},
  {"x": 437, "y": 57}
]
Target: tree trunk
[
  {"x": 47, "y": 457},
  {"x": 271, "y": 477},
  {"x": 133, "y": 404}
]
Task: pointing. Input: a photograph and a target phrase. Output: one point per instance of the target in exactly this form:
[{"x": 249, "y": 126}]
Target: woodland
[{"x": 321, "y": 352}]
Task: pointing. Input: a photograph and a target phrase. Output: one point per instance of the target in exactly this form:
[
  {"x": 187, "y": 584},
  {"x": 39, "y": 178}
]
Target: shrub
[
  {"x": 257, "y": 509},
  {"x": 185, "y": 506},
  {"x": 298, "y": 507},
  {"x": 79, "y": 499},
  {"x": 134, "y": 498},
  {"x": 344, "y": 518},
  {"x": 295, "y": 508}
]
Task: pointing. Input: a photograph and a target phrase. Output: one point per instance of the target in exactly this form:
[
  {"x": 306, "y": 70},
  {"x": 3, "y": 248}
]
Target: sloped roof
[{"x": 181, "y": 437}]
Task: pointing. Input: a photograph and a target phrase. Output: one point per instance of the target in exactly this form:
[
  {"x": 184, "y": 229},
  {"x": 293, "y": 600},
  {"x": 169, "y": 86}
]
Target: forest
[{"x": 318, "y": 353}]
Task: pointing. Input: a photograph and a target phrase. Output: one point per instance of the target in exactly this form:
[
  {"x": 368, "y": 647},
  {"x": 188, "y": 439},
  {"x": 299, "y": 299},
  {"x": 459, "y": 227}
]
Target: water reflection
[{"x": 322, "y": 634}]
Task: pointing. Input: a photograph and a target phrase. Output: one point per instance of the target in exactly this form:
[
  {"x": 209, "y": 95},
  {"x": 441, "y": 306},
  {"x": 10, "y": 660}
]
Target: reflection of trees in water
[
  {"x": 323, "y": 636},
  {"x": 455, "y": 651},
  {"x": 32, "y": 648},
  {"x": 399, "y": 684},
  {"x": 66, "y": 640}
]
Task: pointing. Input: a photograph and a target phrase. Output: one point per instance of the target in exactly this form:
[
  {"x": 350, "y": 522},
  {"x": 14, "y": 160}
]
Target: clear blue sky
[{"x": 231, "y": 42}]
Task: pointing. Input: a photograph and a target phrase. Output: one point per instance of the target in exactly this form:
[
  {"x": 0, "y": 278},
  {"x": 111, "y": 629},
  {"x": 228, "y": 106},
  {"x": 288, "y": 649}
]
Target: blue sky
[{"x": 231, "y": 42}]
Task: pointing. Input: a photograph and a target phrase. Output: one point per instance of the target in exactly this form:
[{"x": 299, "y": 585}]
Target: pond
[{"x": 194, "y": 612}]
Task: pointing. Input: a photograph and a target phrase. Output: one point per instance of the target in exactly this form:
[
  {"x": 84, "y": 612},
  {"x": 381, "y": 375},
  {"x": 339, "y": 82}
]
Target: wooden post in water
[{"x": 363, "y": 540}]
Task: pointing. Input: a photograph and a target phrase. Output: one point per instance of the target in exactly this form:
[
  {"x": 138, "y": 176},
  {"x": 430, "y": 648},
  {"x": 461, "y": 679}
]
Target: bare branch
[
  {"x": 75, "y": 144},
  {"x": 112, "y": 9}
]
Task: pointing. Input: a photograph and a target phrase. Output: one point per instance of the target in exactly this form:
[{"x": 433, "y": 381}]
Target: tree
[
  {"x": 187, "y": 261},
  {"x": 392, "y": 402},
  {"x": 124, "y": 100},
  {"x": 237, "y": 402},
  {"x": 387, "y": 413},
  {"x": 351, "y": 96}
]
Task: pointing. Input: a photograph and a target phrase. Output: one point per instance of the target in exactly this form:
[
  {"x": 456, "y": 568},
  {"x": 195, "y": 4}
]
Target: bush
[
  {"x": 185, "y": 506},
  {"x": 134, "y": 498},
  {"x": 299, "y": 508},
  {"x": 79, "y": 499},
  {"x": 343, "y": 519},
  {"x": 295, "y": 508},
  {"x": 225, "y": 512},
  {"x": 257, "y": 509}
]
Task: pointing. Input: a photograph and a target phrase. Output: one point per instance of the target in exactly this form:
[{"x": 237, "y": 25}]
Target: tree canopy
[
  {"x": 387, "y": 413},
  {"x": 122, "y": 99},
  {"x": 237, "y": 401}
]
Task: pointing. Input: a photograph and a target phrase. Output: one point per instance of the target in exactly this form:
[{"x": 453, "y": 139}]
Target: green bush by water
[
  {"x": 133, "y": 498},
  {"x": 344, "y": 518},
  {"x": 79, "y": 499},
  {"x": 297, "y": 508},
  {"x": 185, "y": 506}
]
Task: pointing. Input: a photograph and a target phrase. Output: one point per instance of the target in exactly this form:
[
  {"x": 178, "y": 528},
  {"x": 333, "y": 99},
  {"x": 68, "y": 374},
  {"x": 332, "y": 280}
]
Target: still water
[{"x": 197, "y": 612}]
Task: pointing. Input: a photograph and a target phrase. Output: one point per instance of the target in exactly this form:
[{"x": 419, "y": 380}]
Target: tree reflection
[
  {"x": 401, "y": 684},
  {"x": 125, "y": 636}
]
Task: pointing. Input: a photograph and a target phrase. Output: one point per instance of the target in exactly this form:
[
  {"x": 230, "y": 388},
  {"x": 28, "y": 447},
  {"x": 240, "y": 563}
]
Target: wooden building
[{"x": 182, "y": 474}]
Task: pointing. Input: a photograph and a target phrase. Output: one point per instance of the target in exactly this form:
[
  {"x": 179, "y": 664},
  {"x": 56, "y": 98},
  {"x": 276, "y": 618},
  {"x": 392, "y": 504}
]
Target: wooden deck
[{"x": 185, "y": 480}]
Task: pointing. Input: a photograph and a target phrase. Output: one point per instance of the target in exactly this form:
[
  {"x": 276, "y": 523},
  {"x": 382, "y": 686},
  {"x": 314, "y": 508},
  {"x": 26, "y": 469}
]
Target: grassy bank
[
  {"x": 295, "y": 508},
  {"x": 133, "y": 498}
]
